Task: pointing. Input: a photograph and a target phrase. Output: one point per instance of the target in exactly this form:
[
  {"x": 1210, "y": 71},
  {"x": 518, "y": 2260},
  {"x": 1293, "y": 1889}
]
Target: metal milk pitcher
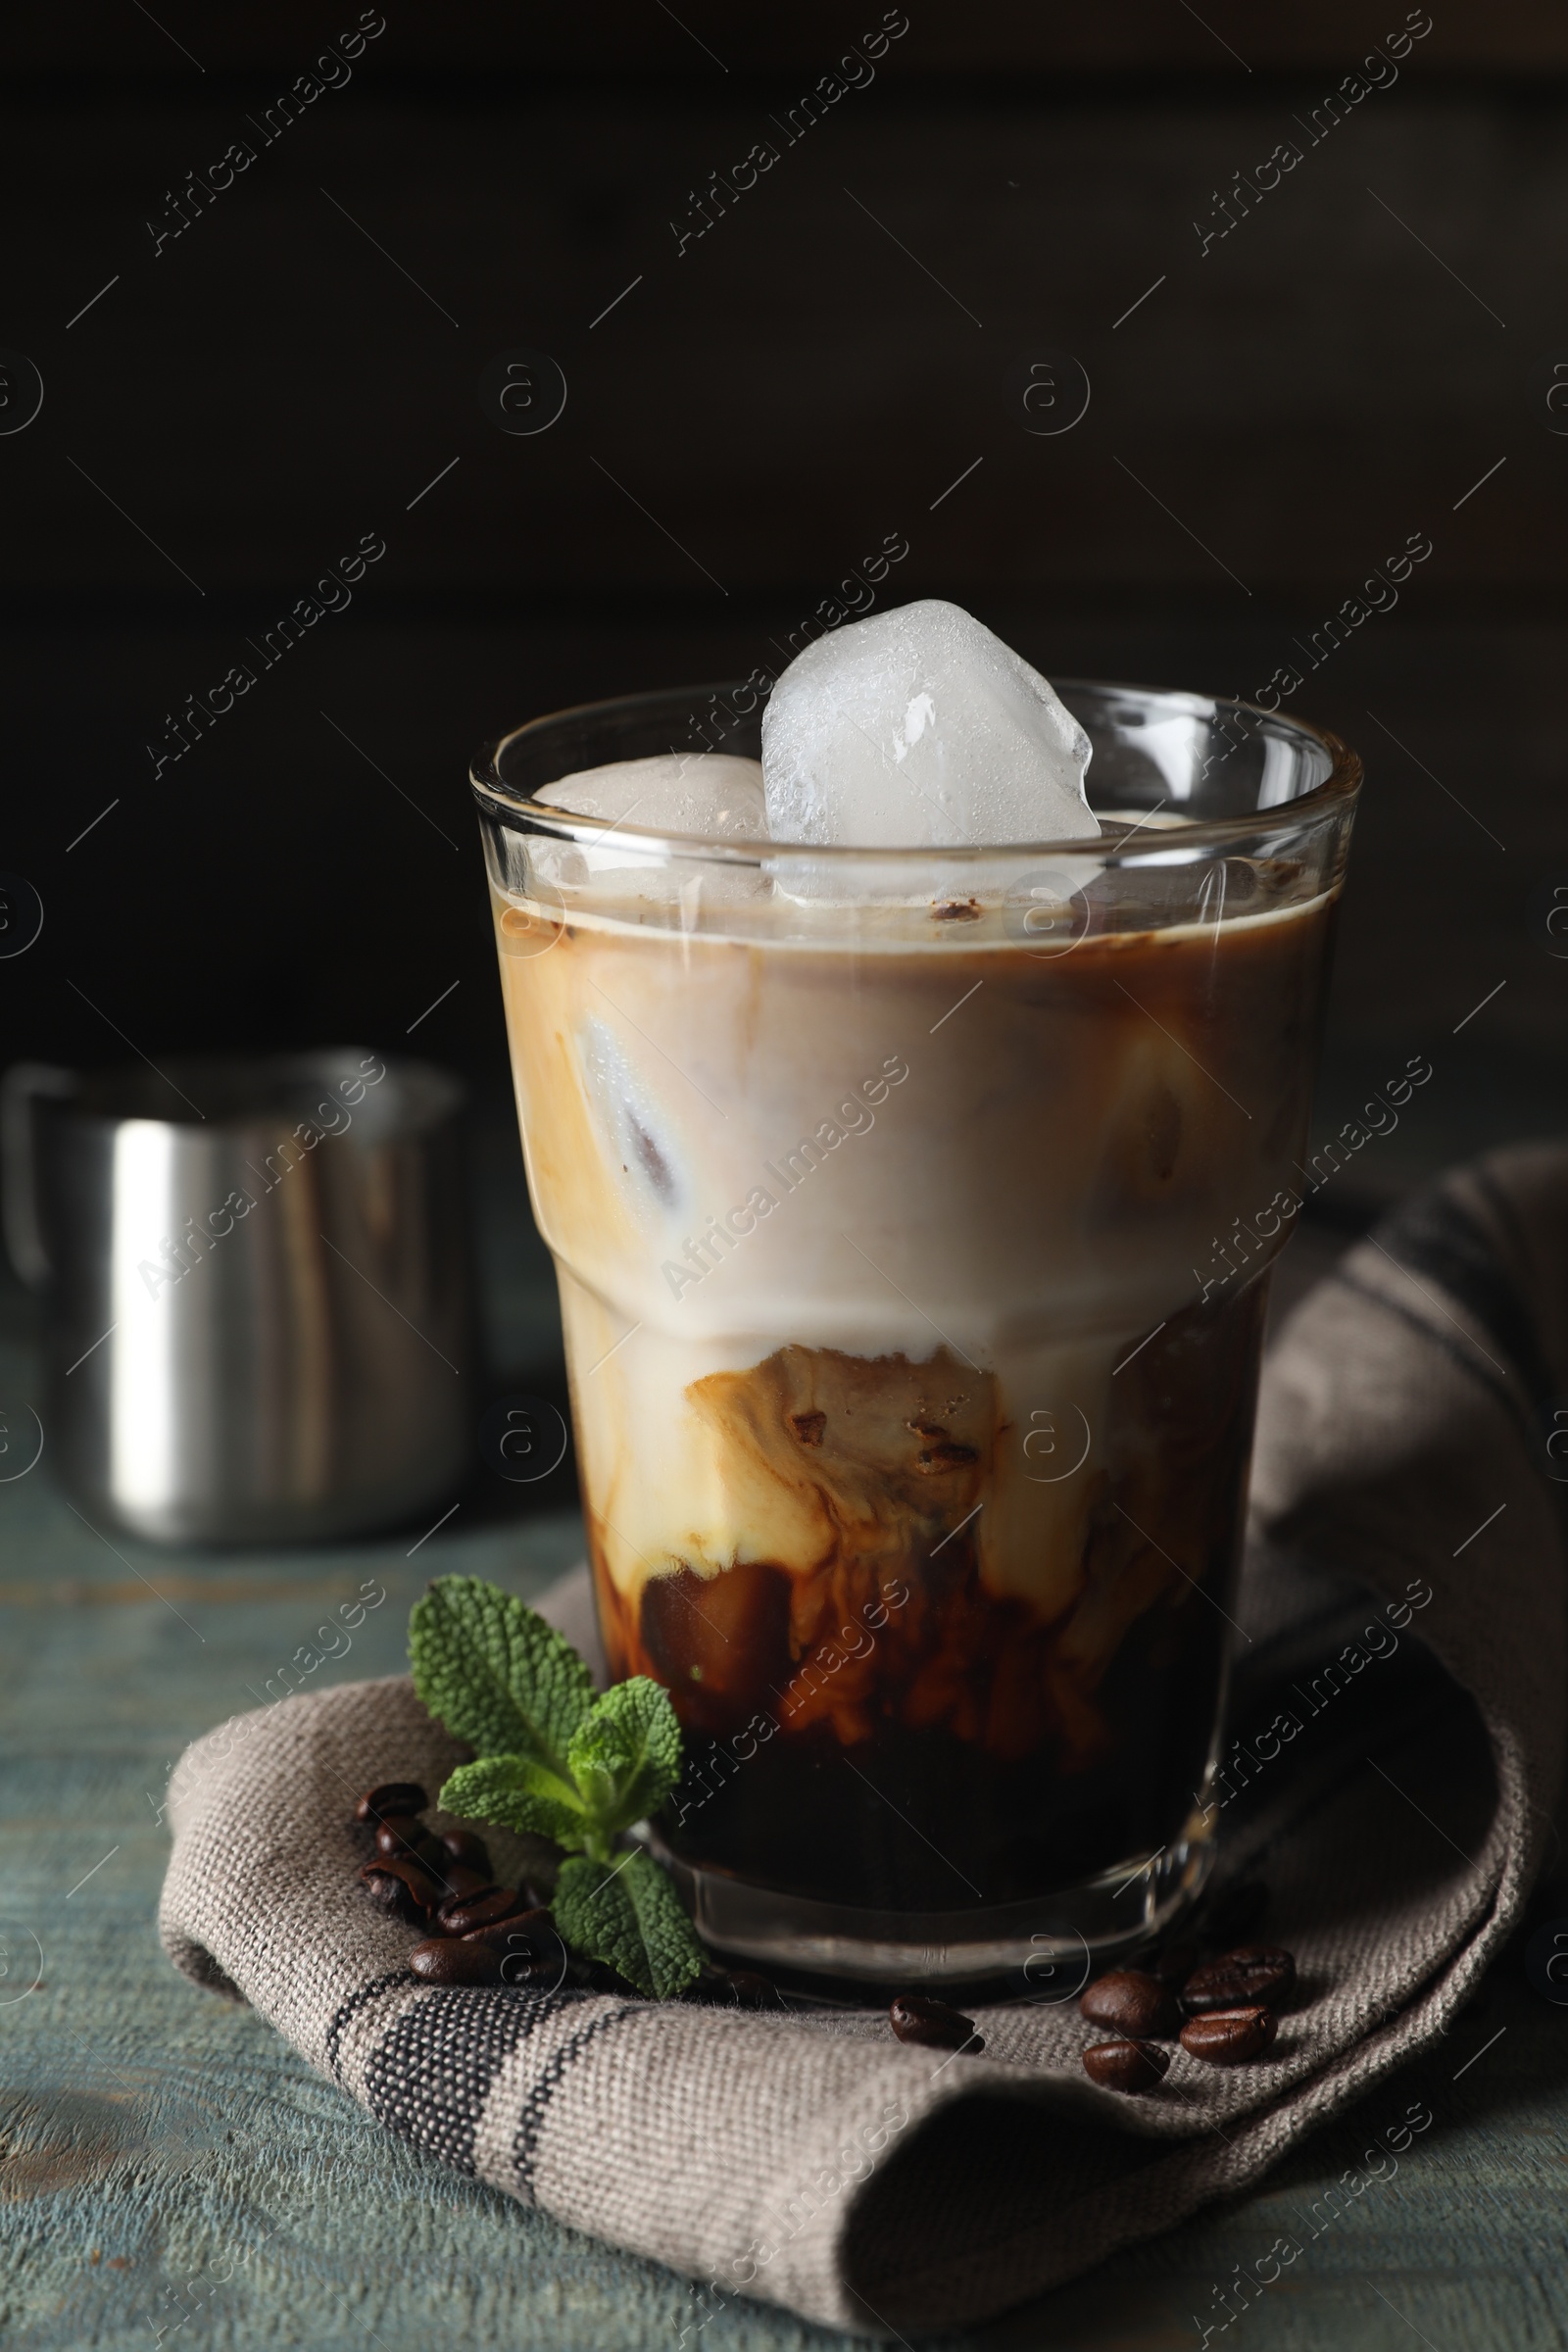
[{"x": 258, "y": 1289}]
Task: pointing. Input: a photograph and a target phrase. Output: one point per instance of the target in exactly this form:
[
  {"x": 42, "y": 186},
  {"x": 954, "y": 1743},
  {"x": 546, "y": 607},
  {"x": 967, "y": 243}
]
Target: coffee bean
[
  {"x": 479, "y": 1910},
  {"x": 1235, "y": 1914},
  {"x": 458, "y": 1882},
  {"x": 471, "y": 1850},
  {"x": 529, "y": 1948},
  {"x": 1132, "y": 2003},
  {"x": 1230, "y": 2037},
  {"x": 932, "y": 2024},
  {"x": 1254, "y": 1973},
  {"x": 420, "y": 1894},
  {"x": 399, "y": 1834},
  {"x": 392, "y": 1796},
  {"x": 510, "y": 1933},
  {"x": 1132, "y": 2067},
  {"x": 537, "y": 1969},
  {"x": 446, "y": 1961},
  {"x": 389, "y": 1893}
]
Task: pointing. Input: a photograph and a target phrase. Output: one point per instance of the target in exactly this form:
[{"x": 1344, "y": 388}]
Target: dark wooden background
[
  {"x": 756, "y": 412},
  {"x": 1337, "y": 373}
]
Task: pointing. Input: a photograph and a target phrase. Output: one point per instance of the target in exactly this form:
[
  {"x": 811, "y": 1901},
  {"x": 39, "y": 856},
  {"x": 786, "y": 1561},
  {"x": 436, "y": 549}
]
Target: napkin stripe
[
  {"x": 430, "y": 2074},
  {"x": 344, "y": 2017},
  {"x": 532, "y": 2115}
]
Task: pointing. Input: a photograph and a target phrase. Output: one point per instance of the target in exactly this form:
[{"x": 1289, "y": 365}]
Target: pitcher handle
[{"x": 23, "y": 1085}]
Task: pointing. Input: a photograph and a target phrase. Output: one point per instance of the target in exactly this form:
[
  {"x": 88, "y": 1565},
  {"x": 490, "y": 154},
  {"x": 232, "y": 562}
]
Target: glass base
[{"x": 1049, "y": 1947}]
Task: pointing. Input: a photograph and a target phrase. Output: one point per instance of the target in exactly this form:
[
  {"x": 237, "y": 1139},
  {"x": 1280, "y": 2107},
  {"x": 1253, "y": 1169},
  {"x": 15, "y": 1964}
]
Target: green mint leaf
[
  {"x": 490, "y": 1669},
  {"x": 628, "y": 1914},
  {"x": 625, "y": 1754},
  {"x": 516, "y": 1793},
  {"x": 554, "y": 1761}
]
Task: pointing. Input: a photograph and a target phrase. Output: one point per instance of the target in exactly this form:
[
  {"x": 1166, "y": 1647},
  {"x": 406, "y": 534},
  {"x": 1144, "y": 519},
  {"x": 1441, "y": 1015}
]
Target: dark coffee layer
[{"x": 876, "y": 1727}]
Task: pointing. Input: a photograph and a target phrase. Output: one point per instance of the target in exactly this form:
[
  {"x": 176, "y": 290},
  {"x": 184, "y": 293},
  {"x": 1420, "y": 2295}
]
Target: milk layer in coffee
[{"x": 903, "y": 1423}]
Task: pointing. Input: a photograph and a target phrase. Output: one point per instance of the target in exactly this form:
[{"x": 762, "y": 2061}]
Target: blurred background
[{"x": 263, "y": 264}]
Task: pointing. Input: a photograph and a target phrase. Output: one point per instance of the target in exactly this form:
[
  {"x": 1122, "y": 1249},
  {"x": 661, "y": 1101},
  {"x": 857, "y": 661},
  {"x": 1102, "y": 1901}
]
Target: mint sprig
[
  {"x": 628, "y": 1914},
  {"x": 516, "y": 1793},
  {"x": 625, "y": 1756},
  {"x": 495, "y": 1673},
  {"x": 556, "y": 1761}
]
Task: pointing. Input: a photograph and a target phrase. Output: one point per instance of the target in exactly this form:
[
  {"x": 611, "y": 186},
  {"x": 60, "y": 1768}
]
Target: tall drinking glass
[{"x": 913, "y": 1212}]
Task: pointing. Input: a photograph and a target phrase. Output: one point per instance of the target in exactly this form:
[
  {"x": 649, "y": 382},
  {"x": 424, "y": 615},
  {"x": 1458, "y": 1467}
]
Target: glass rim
[{"x": 1336, "y": 790}]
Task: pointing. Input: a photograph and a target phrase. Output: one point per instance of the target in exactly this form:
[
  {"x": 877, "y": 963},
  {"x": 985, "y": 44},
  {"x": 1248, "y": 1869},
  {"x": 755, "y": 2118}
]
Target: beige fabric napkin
[{"x": 1403, "y": 1609}]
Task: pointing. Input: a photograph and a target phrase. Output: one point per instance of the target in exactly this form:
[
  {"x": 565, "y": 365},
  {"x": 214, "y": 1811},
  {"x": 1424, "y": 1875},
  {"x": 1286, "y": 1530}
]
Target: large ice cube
[
  {"x": 919, "y": 728},
  {"x": 676, "y": 792},
  {"x": 709, "y": 794}
]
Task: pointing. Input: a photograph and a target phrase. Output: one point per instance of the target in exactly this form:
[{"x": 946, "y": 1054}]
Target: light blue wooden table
[{"x": 168, "y": 2164}]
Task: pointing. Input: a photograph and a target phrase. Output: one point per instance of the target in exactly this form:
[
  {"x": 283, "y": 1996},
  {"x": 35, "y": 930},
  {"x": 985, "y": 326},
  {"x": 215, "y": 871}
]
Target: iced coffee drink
[{"x": 896, "y": 1176}]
